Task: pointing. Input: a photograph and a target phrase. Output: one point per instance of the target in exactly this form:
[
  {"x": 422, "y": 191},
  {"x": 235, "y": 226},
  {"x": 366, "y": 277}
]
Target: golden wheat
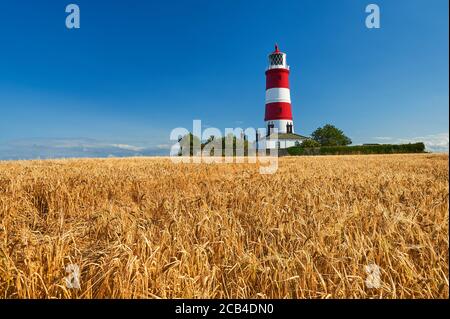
[{"x": 148, "y": 228}]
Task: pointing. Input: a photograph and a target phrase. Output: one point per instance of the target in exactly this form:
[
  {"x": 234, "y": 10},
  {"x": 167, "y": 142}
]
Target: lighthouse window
[
  {"x": 270, "y": 128},
  {"x": 289, "y": 128},
  {"x": 276, "y": 59}
]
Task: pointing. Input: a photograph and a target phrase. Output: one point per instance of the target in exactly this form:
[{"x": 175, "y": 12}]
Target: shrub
[
  {"x": 359, "y": 149},
  {"x": 309, "y": 143}
]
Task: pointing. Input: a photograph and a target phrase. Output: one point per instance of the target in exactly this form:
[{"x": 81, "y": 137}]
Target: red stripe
[
  {"x": 278, "y": 111},
  {"x": 277, "y": 78}
]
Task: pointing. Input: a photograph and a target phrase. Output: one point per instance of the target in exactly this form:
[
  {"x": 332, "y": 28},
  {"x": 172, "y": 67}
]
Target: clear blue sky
[{"x": 137, "y": 69}]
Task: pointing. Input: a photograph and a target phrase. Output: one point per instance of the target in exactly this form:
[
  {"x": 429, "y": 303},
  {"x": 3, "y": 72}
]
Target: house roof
[{"x": 288, "y": 136}]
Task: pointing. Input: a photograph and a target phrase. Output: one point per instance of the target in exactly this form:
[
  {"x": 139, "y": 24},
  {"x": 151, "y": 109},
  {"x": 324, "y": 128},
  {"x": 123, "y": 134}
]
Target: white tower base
[{"x": 281, "y": 125}]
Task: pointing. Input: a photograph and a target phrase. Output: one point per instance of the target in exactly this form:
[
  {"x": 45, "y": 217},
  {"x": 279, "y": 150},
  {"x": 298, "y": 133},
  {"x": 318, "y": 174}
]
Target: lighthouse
[
  {"x": 278, "y": 94},
  {"x": 278, "y": 113}
]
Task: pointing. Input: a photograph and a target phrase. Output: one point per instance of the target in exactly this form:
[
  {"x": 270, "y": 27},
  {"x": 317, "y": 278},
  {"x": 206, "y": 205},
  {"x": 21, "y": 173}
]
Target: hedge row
[{"x": 359, "y": 149}]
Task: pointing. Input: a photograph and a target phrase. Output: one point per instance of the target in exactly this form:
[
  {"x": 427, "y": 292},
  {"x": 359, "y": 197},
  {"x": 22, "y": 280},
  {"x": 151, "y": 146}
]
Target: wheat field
[{"x": 149, "y": 228}]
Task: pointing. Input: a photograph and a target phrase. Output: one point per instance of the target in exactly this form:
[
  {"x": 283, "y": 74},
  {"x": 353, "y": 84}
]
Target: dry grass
[{"x": 142, "y": 228}]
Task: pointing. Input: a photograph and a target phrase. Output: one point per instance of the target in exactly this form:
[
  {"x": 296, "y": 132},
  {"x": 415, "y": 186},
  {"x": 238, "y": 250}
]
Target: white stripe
[
  {"x": 278, "y": 95},
  {"x": 280, "y": 125}
]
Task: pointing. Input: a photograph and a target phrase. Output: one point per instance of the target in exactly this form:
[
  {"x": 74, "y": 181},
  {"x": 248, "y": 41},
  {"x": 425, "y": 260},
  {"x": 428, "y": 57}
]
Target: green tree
[
  {"x": 309, "y": 143},
  {"x": 188, "y": 143},
  {"x": 214, "y": 144},
  {"x": 238, "y": 144},
  {"x": 329, "y": 135}
]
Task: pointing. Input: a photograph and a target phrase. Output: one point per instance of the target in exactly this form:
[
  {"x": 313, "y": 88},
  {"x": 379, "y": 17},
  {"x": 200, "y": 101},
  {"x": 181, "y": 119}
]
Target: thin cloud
[
  {"x": 125, "y": 147},
  {"x": 164, "y": 146},
  {"x": 75, "y": 147}
]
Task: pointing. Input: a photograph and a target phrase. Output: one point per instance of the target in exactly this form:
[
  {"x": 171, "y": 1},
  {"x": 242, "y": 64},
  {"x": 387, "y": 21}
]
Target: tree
[
  {"x": 214, "y": 146},
  {"x": 188, "y": 143},
  {"x": 239, "y": 144},
  {"x": 329, "y": 135},
  {"x": 309, "y": 143}
]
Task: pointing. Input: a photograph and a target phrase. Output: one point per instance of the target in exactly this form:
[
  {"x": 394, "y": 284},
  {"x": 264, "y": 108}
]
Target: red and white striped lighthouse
[{"x": 278, "y": 96}]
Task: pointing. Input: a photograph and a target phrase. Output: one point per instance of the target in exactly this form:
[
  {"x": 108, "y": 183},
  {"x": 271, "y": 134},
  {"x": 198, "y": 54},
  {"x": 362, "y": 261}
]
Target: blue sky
[{"x": 137, "y": 69}]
